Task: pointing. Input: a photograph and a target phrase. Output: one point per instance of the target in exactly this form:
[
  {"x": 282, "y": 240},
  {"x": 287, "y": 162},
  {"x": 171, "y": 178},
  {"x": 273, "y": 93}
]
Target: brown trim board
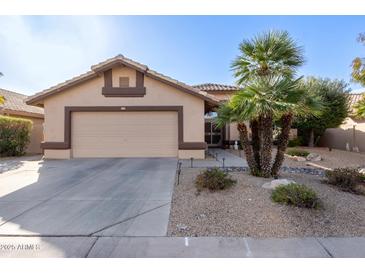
[{"x": 67, "y": 143}]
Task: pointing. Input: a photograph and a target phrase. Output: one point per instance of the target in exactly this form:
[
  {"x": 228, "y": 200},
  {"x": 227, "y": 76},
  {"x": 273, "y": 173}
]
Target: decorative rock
[
  {"x": 299, "y": 159},
  {"x": 295, "y": 170},
  {"x": 278, "y": 182},
  {"x": 314, "y": 157},
  {"x": 182, "y": 227}
]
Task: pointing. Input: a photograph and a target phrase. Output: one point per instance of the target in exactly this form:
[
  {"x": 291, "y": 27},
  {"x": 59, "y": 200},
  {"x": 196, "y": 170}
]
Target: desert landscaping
[{"x": 246, "y": 209}]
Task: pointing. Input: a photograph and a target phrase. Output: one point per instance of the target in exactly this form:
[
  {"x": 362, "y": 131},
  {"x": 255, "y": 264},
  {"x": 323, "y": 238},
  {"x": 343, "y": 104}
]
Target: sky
[{"x": 37, "y": 52}]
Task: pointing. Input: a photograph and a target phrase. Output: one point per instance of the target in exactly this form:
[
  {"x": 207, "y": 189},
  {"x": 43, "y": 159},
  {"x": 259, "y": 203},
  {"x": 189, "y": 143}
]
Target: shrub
[
  {"x": 214, "y": 179},
  {"x": 14, "y": 135},
  {"x": 297, "y": 152},
  {"x": 294, "y": 143},
  {"x": 295, "y": 194},
  {"x": 346, "y": 179}
]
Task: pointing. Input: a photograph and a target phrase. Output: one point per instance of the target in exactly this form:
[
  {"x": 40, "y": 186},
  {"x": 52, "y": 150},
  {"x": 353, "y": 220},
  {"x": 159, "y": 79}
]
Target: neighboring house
[
  {"x": 121, "y": 108},
  {"x": 16, "y": 107},
  {"x": 350, "y": 135}
]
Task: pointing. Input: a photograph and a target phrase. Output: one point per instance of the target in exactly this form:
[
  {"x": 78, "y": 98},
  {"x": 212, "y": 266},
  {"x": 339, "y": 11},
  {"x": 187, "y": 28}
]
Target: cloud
[{"x": 38, "y": 52}]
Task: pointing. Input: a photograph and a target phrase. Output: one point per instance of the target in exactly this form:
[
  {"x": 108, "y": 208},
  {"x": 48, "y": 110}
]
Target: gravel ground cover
[
  {"x": 330, "y": 159},
  {"x": 247, "y": 210}
]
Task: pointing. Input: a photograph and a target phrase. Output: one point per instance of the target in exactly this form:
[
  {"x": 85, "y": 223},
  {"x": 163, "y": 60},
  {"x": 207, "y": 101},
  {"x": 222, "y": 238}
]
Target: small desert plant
[
  {"x": 294, "y": 143},
  {"x": 346, "y": 179},
  {"x": 297, "y": 152},
  {"x": 214, "y": 179},
  {"x": 295, "y": 194}
]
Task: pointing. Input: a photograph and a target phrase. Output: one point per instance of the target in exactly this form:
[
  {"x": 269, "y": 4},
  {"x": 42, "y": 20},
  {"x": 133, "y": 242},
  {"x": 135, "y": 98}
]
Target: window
[{"x": 124, "y": 82}]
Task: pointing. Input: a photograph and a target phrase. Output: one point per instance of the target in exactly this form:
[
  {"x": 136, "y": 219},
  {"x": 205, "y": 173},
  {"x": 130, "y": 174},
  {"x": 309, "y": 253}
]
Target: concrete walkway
[
  {"x": 230, "y": 160},
  {"x": 179, "y": 247}
]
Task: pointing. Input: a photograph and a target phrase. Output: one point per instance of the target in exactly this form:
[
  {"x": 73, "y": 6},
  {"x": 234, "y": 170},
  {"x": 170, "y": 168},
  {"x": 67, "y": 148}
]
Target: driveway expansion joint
[
  {"x": 91, "y": 247},
  {"x": 324, "y": 247},
  {"x": 129, "y": 218}
]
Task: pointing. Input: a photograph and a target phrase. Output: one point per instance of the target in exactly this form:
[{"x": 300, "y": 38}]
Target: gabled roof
[
  {"x": 211, "y": 87},
  {"x": 96, "y": 71},
  {"x": 14, "y": 104}
]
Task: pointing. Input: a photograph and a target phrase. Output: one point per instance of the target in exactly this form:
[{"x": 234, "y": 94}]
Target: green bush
[
  {"x": 297, "y": 152},
  {"x": 346, "y": 179},
  {"x": 295, "y": 194},
  {"x": 14, "y": 135},
  {"x": 214, "y": 179},
  {"x": 294, "y": 143}
]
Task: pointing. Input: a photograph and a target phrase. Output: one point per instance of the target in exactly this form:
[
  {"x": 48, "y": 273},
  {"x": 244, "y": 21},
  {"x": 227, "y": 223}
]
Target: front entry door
[{"x": 213, "y": 134}]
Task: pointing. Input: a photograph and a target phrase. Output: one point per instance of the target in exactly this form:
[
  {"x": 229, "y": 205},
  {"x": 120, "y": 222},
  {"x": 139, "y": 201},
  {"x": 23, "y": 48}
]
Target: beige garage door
[{"x": 124, "y": 134}]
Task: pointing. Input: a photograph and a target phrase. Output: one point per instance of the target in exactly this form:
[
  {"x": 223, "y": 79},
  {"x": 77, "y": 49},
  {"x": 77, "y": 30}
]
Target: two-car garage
[{"x": 124, "y": 134}]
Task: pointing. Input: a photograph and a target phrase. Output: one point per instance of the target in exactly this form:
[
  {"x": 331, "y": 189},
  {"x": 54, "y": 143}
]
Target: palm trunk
[
  {"x": 286, "y": 122},
  {"x": 266, "y": 145},
  {"x": 242, "y": 129},
  {"x": 255, "y": 131}
]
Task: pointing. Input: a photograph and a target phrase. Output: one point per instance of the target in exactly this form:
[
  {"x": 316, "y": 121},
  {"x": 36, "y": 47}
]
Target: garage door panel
[{"x": 124, "y": 134}]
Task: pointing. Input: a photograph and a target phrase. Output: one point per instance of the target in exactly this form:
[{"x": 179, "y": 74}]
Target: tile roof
[
  {"x": 107, "y": 64},
  {"x": 15, "y": 102},
  {"x": 354, "y": 98},
  {"x": 216, "y": 87}
]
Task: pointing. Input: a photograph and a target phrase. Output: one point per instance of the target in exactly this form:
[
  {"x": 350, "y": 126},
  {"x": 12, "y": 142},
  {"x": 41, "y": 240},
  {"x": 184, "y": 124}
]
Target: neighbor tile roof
[
  {"x": 354, "y": 98},
  {"x": 15, "y": 102},
  {"x": 215, "y": 87},
  {"x": 107, "y": 64}
]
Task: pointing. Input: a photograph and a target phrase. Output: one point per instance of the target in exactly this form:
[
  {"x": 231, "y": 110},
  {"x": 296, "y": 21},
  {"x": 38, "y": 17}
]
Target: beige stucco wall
[
  {"x": 36, "y": 135},
  {"x": 222, "y": 96},
  {"x": 187, "y": 154},
  {"x": 57, "y": 153},
  {"x": 157, "y": 94},
  {"x": 233, "y": 132},
  {"x": 338, "y": 137}
]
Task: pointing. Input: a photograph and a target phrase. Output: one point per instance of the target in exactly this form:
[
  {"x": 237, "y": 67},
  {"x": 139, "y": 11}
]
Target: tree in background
[
  {"x": 358, "y": 64},
  {"x": 333, "y": 95},
  {"x": 360, "y": 108}
]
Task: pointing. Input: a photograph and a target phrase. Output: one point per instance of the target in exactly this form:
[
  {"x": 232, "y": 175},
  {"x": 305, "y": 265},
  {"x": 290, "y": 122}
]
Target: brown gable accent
[
  {"x": 98, "y": 70},
  {"x": 109, "y": 91},
  {"x": 67, "y": 143}
]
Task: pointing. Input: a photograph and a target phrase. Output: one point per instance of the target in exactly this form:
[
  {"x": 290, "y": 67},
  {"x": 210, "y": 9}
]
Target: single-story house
[
  {"x": 351, "y": 134},
  {"x": 16, "y": 107},
  {"x": 121, "y": 108}
]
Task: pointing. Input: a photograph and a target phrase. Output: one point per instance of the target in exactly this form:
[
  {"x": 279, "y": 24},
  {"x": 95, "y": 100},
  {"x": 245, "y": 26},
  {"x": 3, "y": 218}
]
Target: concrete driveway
[{"x": 87, "y": 197}]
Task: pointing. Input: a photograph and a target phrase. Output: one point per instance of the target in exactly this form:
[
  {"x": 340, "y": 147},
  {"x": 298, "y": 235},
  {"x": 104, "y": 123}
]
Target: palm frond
[{"x": 273, "y": 52}]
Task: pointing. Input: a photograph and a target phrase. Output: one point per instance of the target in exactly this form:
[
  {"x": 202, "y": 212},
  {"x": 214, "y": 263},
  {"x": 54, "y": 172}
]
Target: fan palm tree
[
  {"x": 266, "y": 67},
  {"x": 261, "y": 102},
  {"x": 271, "y": 53}
]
